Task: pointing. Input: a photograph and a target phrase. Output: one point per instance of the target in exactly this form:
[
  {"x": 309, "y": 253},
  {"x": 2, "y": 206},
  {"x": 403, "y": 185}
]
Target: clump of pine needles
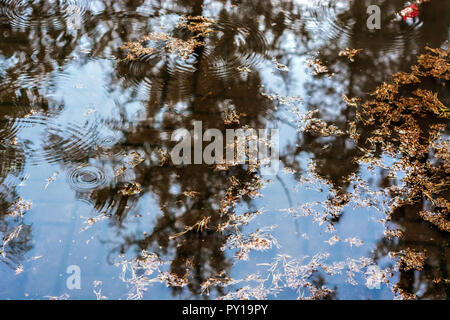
[{"x": 406, "y": 120}]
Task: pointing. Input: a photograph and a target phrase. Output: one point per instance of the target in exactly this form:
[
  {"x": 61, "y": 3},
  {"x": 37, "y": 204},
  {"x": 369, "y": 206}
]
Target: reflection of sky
[{"x": 58, "y": 215}]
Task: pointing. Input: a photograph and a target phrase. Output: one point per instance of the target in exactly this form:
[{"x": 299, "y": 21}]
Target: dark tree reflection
[{"x": 39, "y": 40}]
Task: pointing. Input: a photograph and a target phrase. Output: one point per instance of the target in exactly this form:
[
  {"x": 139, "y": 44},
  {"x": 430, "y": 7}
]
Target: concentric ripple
[
  {"x": 85, "y": 178},
  {"x": 44, "y": 140},
  {"x": 52, "y": 14},
  {"x": 329, "y": 20},
  {"x": 12, "y": 161},
  {"x": 230, "y": 47},
  {"x": 235, "y": 45}
]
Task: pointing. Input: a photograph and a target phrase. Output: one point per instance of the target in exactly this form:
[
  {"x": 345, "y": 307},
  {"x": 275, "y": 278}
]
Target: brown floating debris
[
  {"x": 392, "y": 123},
  {"x": 191, "y": 194},
  {"x": 51, "y": 179},
  {"x": 19, "y": 208},
  {"x": 317, "y": 65},
  {"x": 198, "y": 26},
  {"x": 243, "y": 69},
  {"x": 409, "y": 259},
  {"x": 131, "y": 189},
  {"x": 439, "y": 219},
  {"x": 91, "y": 221},
  {"x": 280, "y": 66},
  {"x": 134, "y": 159},
  {"x": 231, "y": 116},
  {"x": 350, "y": 53},
  {"x": 200, "y": 225}
]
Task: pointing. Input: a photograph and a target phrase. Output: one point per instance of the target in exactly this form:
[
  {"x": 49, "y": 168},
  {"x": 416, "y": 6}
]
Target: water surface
[{"x": 80, "y": 122}]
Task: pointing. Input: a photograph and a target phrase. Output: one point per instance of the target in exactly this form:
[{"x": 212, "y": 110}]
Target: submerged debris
[
  {"x": 64, "y": 296},
  {"x": 333, "y": 240},
  {"x": 401, "y": 294},
  {"x": 19, "y": 269},
  {"x": 136, "y": 272},
  {"x": 439, "y": 219},
  {"x": 320, "y": 127},
  {"x": 239, "y": 189},
  {"x": 197, "y": 25},
  {"x": 164, "y": 156},
  {"x": 243, "y": 69},
  {"x": 393, "y": 233}
]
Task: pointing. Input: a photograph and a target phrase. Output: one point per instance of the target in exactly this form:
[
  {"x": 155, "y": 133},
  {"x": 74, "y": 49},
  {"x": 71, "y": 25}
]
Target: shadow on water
[{"x": 85, "y": 141}]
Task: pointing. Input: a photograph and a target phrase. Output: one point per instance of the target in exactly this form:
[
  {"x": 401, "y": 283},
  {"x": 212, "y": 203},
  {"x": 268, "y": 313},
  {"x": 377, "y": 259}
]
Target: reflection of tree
[
  {"x": 206, "y": 101},
  {"x": 432, "y": 281},
  {"x": 16, "y": 236},
  {"x": 202, "y": 249},
  {"x": 334, "y": 156},
  {"x": 372, "y": 66},
  {"x": 210, "y": 86}
]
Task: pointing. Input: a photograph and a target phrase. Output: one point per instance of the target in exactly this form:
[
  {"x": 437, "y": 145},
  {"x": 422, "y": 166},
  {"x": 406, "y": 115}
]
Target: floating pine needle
[
  {"x": 200, "y": 225},
  {"x": 51, "y": 179},
  {"x": 191, "y": 194}
]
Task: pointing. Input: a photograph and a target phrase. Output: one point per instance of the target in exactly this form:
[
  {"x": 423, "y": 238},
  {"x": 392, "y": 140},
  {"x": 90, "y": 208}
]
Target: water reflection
[{"x": 71, "y": 104}]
